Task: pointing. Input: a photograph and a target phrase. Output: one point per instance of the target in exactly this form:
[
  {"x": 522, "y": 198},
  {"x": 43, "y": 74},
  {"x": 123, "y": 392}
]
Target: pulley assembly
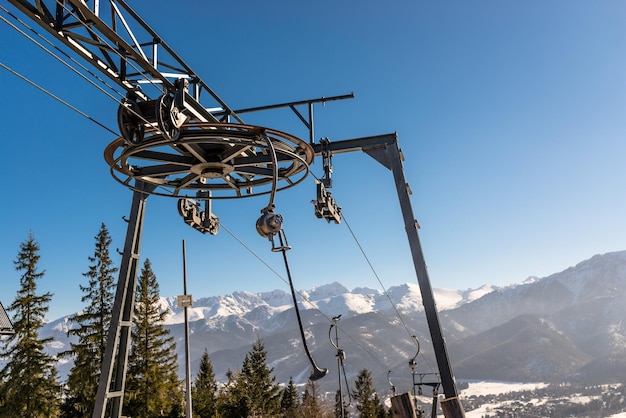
[
  {"x": 201, "y": 220},
  {"x": 325, "y": 205},
  {"x": 167, "y": 113}
]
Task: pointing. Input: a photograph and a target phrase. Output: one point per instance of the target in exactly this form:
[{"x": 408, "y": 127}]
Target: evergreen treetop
[
  {"x": 29, "y": 379},
  {"x": 91, "y": 330},
  {"x": 152, "y": 388},
  {"x": 204, "y": 389}
]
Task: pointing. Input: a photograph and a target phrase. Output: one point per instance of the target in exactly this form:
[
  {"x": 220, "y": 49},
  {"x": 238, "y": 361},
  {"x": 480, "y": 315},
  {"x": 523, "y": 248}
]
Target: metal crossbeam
[{"x": 111, "y": 36}]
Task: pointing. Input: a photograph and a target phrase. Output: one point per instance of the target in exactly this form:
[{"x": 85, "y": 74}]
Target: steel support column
[
  {"x": 384, "y": 149},
  {"x": 115, "y": 360},
  {"x": 451, "y": 405}
]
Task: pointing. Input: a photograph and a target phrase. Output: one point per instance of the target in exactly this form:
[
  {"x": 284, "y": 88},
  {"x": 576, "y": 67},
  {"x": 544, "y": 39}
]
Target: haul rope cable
[
  {"x": 302, "y": 296},
  {"x": 74, "y": 60},
  {"x": 138, "y": 46},
  {"x": 356, "y": 240},
  {"x": 375, "y": 274},
  {"x": 381, "y": 285},
  {"x": 412, "y": 335},
  {"x": 111, "y": 47},
  {"x": 80, "y": 112},
  {"x": 118, "y": 101}
]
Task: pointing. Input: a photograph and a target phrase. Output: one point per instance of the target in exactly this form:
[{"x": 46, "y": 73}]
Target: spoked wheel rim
[{"x": 229, "y": 160}]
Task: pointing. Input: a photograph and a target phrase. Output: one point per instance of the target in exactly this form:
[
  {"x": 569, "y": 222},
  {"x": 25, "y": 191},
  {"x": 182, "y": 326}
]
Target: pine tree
[
  {"x": 313, "y": 406},
  {"x": 29, "y": 379},
  {"x": 152, "y": 386},
  {"x": 262, "y": 392},
  {"x": 231, "y": 400},
  {"x": 251, "y": 391},
  {"x": 203, "y": 392},
  {"x": 92, "y": 330},
  {"x": 368, "y": 402},
  {"x": 289, "y": 400}
]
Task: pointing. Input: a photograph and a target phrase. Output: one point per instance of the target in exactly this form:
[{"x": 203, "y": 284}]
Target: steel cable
[
  {"x": 395, "y": 308},
  {"x": 303, "y": 297},
  {"x": 80, "y": 112}
]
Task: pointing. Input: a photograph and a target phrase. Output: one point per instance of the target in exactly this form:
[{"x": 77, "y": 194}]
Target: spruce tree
[
  {"x": 368, "y": 402},
  {"x": 231, "y": 400},
  {"x": 152, "y": 386},
  {"x": 251, "y": 391},
  {"x": 92, "y": 330},
  {"x": 203, "y": 392},
  {"x": 312, "y": 406},
  {"x": 289, "y": 400},
  {"x": 29, "y": 379},
  {"x": 262, "y": 393}
]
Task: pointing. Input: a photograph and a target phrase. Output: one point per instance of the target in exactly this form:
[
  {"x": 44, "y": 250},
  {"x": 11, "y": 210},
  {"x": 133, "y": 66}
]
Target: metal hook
[
  {"x": 413, "y": 362},
  {"x": 393, "y": 388},
  {"x": 341, "y": 356}
]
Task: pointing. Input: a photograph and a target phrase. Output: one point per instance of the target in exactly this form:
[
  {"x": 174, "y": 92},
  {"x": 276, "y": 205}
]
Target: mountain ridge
[{"x": 574, "y": 317}]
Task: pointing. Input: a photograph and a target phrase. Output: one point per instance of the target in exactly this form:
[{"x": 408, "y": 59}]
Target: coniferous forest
[{"x": 31, "y": 388}]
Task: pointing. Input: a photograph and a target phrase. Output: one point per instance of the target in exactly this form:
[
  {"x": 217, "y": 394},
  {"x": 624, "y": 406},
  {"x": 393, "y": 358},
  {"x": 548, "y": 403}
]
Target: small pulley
[
  {"x": 325, "y": 205},
  {"x": 201, "y": 220},
  {"x": 269, "y": 225},
  {"x": 167, "y": 113}
]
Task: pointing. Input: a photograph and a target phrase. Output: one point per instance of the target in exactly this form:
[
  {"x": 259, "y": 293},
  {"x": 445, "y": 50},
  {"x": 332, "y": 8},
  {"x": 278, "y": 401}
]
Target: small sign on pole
[{"x": 185, "y": 301}]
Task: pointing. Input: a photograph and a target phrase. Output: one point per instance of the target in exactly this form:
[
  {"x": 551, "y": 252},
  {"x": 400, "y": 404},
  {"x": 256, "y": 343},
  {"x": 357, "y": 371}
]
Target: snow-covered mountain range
[{"x": 570, "y": 325}]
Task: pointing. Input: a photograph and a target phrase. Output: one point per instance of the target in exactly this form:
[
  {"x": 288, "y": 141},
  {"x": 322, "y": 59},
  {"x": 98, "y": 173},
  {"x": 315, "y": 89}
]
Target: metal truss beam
[{"x": 112, "y": 37}]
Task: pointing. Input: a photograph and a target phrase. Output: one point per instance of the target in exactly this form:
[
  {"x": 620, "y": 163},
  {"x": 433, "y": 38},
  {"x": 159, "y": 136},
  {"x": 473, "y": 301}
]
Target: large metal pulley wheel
[
  {"x": 129, "y": 116},
  {"x": 229, "y": 160},
  {"x": 169, "y": 118},
  {"x": 134, "y": 118}
]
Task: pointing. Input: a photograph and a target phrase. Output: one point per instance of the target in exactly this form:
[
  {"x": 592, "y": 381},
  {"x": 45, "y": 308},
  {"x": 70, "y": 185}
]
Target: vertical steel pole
[
  {"x": 451, "y": 405},
  {"x": 343, "y": 413},
  {"x": 187, "y": 359},
  {"x": 115, "y": 360}
]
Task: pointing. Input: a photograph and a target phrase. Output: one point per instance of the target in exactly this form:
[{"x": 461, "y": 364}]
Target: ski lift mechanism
[{"x": 174, "y": 146}]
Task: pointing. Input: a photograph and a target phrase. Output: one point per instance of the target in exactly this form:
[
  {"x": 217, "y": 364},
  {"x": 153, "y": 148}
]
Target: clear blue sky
[{"x": 511, "y": 116}]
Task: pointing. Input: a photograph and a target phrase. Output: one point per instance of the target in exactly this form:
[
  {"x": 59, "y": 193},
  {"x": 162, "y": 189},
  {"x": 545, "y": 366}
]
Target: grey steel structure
[{"x": 179, "y": 139}]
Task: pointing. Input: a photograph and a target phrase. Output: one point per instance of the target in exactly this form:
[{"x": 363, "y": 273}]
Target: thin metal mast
[{"x": 186, "y": 302}]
